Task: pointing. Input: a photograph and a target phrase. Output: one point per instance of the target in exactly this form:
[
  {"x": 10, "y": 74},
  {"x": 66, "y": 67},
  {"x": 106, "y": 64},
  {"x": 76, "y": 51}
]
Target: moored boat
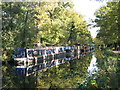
[{"x": 27, "y": 55}]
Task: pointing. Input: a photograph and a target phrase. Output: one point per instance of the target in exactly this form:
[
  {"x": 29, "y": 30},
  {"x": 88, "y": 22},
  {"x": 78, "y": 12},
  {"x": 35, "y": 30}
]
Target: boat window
[
  {"x": 43, "y": 52},
  {"x": 52, "y": 50},
  {"x": 20, "y": 71},
  {"x": 35, "y": 53},
  {"x": 42, "y": 66},
  {"x": 68, "y": 47},
  {"x": 20, "y": 53},
  {"x": 30, "y": 70},
  {"x": 47, "y": 51},
  {"x": 40, "y": 52},
  {"x": 61, "y": 49},
  {"x": 30, "y": 53}
]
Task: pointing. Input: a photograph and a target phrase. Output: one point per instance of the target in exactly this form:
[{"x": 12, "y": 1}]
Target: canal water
[{"x": 87, "y": 70}]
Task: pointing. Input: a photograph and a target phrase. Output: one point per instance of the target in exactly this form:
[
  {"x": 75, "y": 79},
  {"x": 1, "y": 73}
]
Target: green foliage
[
  {"x": 107, "y": 18},
  {"x": 60, "y": 24},
  {"x": 18, "y": 26},
  {"x": 56, "y": 23}
]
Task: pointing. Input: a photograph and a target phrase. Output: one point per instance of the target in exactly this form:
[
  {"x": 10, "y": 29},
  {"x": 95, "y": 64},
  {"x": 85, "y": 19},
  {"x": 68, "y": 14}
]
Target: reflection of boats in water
[{"x": 26, "y": 70}]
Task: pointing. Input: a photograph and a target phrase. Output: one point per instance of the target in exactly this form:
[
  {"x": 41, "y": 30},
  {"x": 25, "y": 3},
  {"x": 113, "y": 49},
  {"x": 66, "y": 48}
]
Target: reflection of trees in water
[
  {"x": 107, "y": 76},
  {"x": 118, "y": 72},
  {"x": 70, "y": 74},
  {"x": 99, "y": 53},
  {"x": 66, "y": 75},
  {"x": 11, "y": 81}
]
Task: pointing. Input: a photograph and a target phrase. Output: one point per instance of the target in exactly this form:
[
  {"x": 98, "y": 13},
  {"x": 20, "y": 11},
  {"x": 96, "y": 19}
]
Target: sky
[{"x": 87, "y": 8}]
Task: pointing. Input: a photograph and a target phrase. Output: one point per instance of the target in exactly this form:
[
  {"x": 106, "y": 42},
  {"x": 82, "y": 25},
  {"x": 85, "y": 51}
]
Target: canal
[{"x": 87, "y": 70}]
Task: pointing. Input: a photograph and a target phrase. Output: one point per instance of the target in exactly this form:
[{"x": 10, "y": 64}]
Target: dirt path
[{"x": 117, "y": 52}]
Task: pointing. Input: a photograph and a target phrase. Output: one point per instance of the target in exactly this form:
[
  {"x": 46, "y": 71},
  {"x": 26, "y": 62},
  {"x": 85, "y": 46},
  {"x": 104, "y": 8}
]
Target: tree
[
  {"x": 18, "y": 26},
  {"x": 60, "y": 24},
  {"x": 56, "y": 23},
  {"x": 107, "y": 18}
]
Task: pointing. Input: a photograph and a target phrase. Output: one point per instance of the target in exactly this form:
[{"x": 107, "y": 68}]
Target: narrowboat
[{"x": 27, "y": 55}]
